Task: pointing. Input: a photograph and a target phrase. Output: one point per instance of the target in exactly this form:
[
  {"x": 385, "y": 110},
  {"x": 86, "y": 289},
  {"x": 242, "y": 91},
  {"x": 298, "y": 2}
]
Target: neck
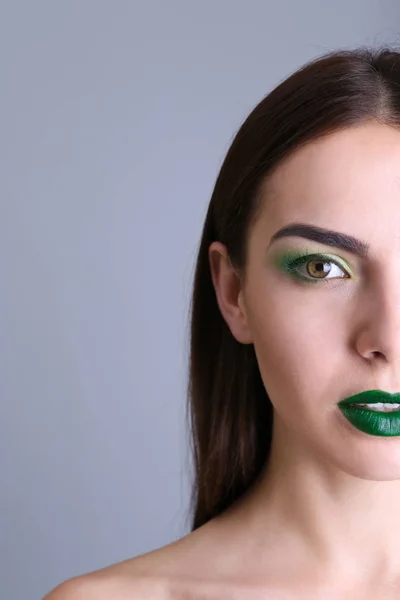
[{"x": 321, "y": 518}]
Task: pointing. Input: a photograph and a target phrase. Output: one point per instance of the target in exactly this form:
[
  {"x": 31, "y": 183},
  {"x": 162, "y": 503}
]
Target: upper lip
[{"x": 372, "y": 397}]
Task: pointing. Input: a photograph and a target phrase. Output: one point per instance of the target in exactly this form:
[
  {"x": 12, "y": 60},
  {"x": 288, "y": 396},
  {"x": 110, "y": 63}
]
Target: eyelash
[{"x": 297, "y": 259}]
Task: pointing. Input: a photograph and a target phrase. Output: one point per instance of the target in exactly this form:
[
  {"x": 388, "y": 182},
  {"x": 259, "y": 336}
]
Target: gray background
[{"x": 115, "y": 118}]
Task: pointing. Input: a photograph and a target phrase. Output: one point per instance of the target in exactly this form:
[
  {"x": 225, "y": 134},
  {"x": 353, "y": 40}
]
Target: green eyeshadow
[{"x": 289, "y": 262}]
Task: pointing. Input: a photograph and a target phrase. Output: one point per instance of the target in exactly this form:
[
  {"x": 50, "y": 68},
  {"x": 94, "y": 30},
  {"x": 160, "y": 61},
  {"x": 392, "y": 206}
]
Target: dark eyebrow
[{"x": 324, "y": 236}]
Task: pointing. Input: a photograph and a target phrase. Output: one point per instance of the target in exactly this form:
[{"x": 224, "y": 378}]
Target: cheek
[{"x": 298, "y": 351}]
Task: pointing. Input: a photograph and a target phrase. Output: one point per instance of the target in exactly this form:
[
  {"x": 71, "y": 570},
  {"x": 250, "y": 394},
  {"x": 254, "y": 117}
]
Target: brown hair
[{"x": 229, "y": 409}]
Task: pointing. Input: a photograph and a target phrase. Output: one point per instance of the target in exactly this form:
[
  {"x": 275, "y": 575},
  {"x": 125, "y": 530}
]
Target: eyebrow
[{"x": 324, "y": 236}]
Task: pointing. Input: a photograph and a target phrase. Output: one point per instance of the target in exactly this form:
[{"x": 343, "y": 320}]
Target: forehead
[{"x": 347, "y": 181}]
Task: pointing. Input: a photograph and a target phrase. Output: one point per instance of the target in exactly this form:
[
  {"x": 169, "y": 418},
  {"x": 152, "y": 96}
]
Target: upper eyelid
[
  {"x": 317, "y": 253},
  {"x": 327, "y": 255},
  {"x": 340, "y": 262}
]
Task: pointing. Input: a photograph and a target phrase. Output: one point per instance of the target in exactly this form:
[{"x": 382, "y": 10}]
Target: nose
[{"x": 379, "y": 334}]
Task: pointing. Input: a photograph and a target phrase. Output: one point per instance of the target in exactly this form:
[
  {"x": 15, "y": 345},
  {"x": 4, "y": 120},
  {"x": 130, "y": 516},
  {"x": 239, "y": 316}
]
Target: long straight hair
[{"x": 229, "y": 412}]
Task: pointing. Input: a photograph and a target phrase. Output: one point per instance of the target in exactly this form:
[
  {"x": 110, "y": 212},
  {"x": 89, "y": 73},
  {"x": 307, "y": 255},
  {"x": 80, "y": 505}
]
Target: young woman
[{"x": 294, "y": 383}]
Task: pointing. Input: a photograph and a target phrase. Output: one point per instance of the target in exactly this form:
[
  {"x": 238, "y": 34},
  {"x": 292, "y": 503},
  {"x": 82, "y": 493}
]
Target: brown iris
[{"x": 321, "y": 267}]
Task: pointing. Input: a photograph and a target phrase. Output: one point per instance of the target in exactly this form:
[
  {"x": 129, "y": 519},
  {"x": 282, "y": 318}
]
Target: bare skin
[{"x": 322, "y": 521}]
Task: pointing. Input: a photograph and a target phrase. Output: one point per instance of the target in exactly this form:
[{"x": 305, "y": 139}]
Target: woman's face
[{"x": 314, "y": 334}]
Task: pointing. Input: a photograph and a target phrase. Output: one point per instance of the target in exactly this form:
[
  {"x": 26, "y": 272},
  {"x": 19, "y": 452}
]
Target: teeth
[{"x": 381, "y": 406}]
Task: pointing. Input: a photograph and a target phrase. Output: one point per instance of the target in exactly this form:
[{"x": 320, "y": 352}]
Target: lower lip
[{"x": 373, "y": 422}]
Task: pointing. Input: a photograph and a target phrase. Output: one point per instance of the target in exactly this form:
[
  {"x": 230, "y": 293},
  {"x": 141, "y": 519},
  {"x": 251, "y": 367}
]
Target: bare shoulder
[
  {"x": 132, "y": 579},
  {"x": 156, "y": 575},
  {"x": 148, "y": 576},
  {"x": 93, "y": 587},
  {"x": 74, "y": 589}
]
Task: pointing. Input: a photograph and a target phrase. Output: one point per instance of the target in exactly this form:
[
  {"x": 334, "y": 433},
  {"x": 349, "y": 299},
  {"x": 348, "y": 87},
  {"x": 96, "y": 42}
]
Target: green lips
[{"x": 369, "y": 421}]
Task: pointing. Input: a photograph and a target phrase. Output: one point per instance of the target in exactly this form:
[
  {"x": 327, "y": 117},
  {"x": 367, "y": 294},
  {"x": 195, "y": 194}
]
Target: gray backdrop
[{"x": 115, "y": 118}]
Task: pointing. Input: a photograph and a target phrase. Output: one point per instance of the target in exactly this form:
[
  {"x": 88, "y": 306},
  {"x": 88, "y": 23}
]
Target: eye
[{"x": 315, "y": 267}]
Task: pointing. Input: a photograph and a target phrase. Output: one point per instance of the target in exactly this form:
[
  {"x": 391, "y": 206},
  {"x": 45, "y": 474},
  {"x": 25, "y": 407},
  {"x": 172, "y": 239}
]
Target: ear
[{"x": 229, "y": 293}]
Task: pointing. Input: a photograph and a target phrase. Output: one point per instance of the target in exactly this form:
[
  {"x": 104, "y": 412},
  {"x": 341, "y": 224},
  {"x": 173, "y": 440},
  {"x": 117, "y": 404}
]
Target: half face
[{"x": 324, "y": 313}]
